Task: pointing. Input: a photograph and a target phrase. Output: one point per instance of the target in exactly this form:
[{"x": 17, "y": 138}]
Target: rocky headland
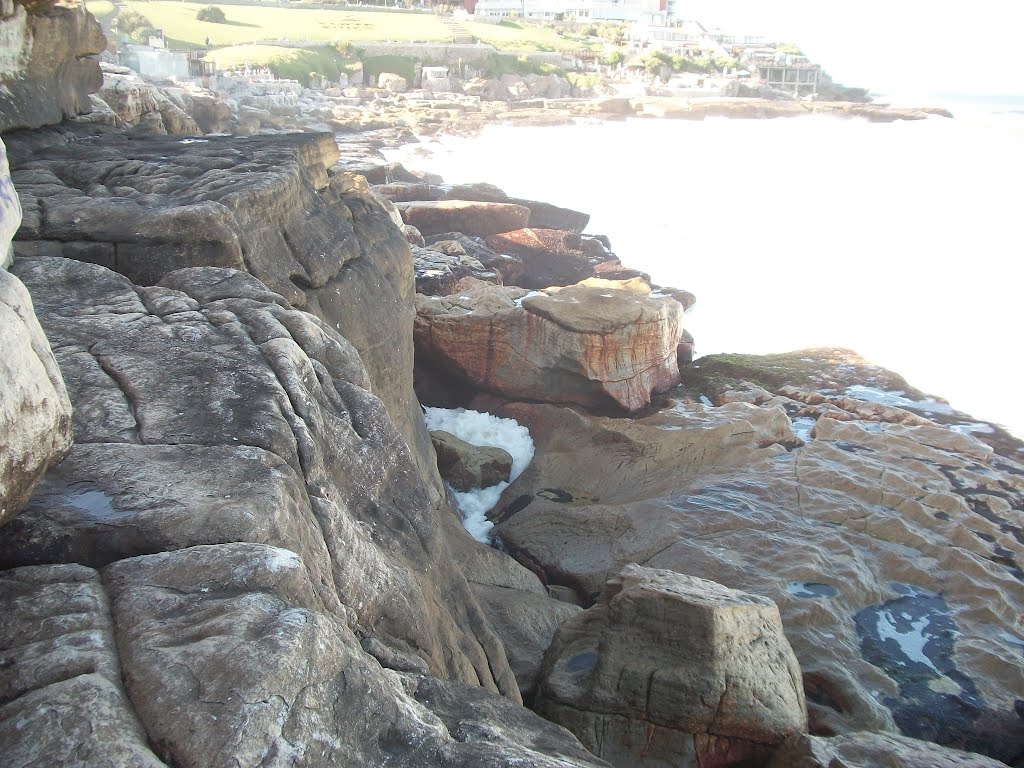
[{"x": 226, "y": 539}]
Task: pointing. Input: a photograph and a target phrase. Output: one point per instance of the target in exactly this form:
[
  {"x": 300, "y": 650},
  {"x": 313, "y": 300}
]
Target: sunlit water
[{"x": 902, "y": 241}]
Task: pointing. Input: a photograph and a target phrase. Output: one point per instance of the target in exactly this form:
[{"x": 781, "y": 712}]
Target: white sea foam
[{"x": 479, "y": 428}]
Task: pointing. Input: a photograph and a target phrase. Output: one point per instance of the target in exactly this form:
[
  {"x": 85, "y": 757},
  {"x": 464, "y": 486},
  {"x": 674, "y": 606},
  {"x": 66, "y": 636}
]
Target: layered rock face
[
  {"x": 46, "y": 73},
  {"x": 146, "y": 207},
  {"x": 668, "y": 669},
  {"x": 598, "y": 347},
  {"x": 875, "y": 534},
  {"x": 250, "y": 540}
]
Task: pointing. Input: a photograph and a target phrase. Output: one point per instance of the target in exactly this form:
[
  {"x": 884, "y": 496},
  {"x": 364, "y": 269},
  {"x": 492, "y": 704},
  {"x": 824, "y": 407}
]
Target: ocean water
[{"x": 903, "y": 241}]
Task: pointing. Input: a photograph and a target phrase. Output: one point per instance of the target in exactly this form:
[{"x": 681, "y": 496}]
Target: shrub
[
  {"x": 212, "y": 14},
  {"x": 613, "y": 59},
  {"x": 131, "y": 23}
]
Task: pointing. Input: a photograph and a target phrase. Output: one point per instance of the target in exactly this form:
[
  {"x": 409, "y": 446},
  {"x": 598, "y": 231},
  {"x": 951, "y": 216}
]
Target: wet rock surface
[
  {"x": 875, "y": 534},
  {"x": 467, "y": 466},
  {"x": 865, "y": 750},
  {"x": 268, "y": 532},
  {"x": 598, "y": 347},
  {"x": 669, "y": 669}
]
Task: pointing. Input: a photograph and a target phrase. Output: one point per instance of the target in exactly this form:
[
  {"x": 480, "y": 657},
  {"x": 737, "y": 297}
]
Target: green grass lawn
[
  {"x": 293, "y": 63},
  {"x": 252, "y": 23},
  {"x": 523, "y": 37},
  {"x": 101, "y": 9},
  {"x": 255, "y": 23}
]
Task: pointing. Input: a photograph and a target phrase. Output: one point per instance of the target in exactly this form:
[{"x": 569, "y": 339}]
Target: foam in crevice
[{"x": 479, "y": 428}]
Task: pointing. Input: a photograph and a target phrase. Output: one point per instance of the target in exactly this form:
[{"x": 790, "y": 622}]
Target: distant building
[
  {"x": 567, "y": 10},
  {"x": 786, "y": 72},
  {"x": 156, "y": 63},
  {"x": 676, "y": 36}
]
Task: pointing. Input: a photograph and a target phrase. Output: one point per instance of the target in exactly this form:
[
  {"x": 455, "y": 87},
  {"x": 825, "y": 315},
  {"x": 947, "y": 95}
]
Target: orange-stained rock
[
  {"x": 595, "y": 347},
  {"x": 552, "y": 256}
]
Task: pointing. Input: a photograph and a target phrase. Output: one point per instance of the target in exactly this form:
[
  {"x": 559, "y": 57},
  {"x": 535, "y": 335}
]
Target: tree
[
  {"x": 133, "y": 24},
  {"x": 212, "y": 14}
]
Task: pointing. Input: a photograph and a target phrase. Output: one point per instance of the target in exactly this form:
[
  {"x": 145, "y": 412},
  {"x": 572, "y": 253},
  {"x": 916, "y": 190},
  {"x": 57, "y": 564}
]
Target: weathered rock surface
[
  {"x": 61, "y": 700},
  {"x": 592, "y": 346},
  {"x": 509, "y": 268},
  {"x": 265, "y": 546},
  {"x": 144, "y": 106},
  {"x": 267, "y": 205},
  {"x": 874, "y": 537},
  {"x": 439, "y": 270},
  {"x": 669, "y": 669},
  {"x": 35, "y": 413},
  {"x": 10, "y": 209},
  {"x": 47, "y": 72},
  {"x": 554, "y": 257},
  {"x": 867, "y": 750},
  {"x": 471, "y": 218},
  {"x": 466, "y": 466},
  {"x": 526, "y": 623}
]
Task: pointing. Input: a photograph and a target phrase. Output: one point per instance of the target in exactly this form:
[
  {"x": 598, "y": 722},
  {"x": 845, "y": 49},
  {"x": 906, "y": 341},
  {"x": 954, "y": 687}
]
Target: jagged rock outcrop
[
  {"x": 262, "y": 542},
  {"x": 267, "y": 205},
  {"x": 875, "y": 535},
  {"x": 455, "y": 244},
  {"x": 475, "y": 219},
  {"x": 439, "y": 269},
  {"x": 141, "y": 105},
  {"x": 35, "y": 413},
  {"x": 466, "y": 466},
  {"x": 867, "y": 750},
  {"x": 47, "y": 71},
  {"x": 669, "y": 669},
  {"x": 592, "y": 346}
]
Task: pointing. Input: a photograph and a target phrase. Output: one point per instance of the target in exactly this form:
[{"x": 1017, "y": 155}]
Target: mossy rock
[{"x": 829, "y": 369}]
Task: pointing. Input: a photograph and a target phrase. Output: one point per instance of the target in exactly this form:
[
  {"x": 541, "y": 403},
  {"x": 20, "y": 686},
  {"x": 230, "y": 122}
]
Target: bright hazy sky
[{"x": 890, "y": 45}]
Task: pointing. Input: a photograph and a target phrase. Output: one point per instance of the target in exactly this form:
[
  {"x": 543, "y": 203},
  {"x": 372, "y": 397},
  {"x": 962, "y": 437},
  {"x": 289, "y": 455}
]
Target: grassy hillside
[{"x": 252, "y": 23}]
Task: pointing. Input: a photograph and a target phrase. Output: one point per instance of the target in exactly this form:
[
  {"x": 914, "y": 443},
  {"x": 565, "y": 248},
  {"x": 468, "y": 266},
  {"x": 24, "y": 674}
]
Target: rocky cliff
[{"x": 225, "y": 540}]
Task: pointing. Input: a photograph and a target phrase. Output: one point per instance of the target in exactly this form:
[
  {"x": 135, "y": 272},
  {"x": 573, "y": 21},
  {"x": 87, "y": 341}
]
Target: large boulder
[
  {"x": 471, "y": 218},
  {"x": 874, "y": 533},
  {"x": 867, "y": 750},
  {"x": 267, "y": 205},
  {"x": 286, "y": 448},
  {"x": 35, "y": 413},
  {"x": 592, "y": 346},
  {"x": 48, "y": 70},
  {"x": 259, "y": 576},
  {"x": 669, "y": 669},
  {"x": 466, "y": 466}
]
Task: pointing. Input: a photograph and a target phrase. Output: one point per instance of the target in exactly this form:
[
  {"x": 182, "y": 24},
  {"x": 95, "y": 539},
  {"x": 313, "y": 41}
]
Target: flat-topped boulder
[
  {"x": 668, "y": 669},
  {"x": 596, "y": 347},
  {"x": 477, "y": 219},
  {"x": 466, "y": 466}
]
